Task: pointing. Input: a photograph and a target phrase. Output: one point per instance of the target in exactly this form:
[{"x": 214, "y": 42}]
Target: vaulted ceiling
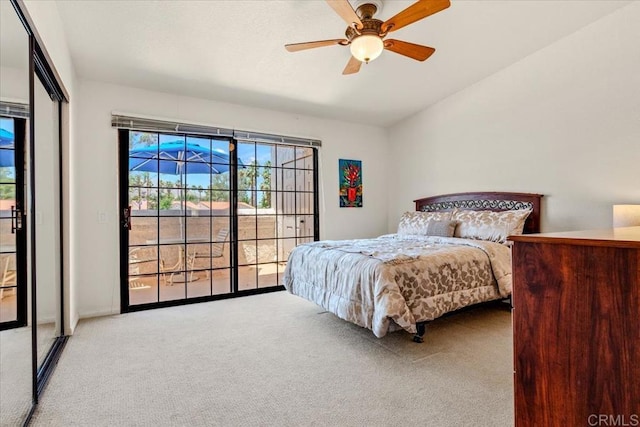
[{"x": 233, "y": 50}]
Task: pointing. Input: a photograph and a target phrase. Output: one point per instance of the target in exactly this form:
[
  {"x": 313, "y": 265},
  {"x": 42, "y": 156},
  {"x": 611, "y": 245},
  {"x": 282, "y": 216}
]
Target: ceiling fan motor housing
[
  {"x": 366, "y": 42},
  {"x": 369, "y": 26},
  {"x": 366, "y": 8}
]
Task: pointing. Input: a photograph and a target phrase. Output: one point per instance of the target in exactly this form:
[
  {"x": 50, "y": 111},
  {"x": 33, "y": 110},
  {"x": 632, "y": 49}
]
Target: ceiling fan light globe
[{"x": 366, "y": 47}]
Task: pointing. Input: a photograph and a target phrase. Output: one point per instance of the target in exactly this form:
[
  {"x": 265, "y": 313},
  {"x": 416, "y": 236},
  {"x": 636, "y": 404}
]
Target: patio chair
[
  {"x": 217, "y": 247},
  {"x": 171, "y": 274},
  {"x": 134, "y": 268},
  {"x": 9, "y": 276}
]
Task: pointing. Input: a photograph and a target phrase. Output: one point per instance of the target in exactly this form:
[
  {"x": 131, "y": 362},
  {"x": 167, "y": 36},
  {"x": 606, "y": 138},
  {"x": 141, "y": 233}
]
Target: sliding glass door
[
  {"x": 276, "y": 209},
  {"x": 13, "y": 261},
  {"x": 210, "y": 217},
  {"x": 178, "y": 217}
]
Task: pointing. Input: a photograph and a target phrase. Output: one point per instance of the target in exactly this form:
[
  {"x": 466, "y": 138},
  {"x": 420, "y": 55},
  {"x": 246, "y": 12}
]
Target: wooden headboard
[{"x": 486, "y": 201}]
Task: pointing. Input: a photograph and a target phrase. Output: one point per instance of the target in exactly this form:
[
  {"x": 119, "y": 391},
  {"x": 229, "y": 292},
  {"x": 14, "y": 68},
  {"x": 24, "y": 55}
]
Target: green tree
[
  {"x": 247, "y": 181},
  {"x": 193, "y": 194},
  {"x": 166, "y": 200},
  {"x": 166, "y": 195},
  {"x": 7, "y": 191},
  {"x": 220, "y": 187},
  {"x": 152, "y": 201},
  {"x": 144, "y": 139},
  {"x": 138, "y": 189},
  {"x": 265, "y": 186},
  {"x": 200, "y": 190},
  {"x": 135, "y": 190}
]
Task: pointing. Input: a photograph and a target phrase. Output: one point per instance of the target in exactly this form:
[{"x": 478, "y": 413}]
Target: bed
[{"x": 450, "y": 253}]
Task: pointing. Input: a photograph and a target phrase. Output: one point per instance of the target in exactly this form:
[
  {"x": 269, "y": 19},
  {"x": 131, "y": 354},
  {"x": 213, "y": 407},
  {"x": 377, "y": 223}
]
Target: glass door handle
[
  {"x": 16, "y": 219},
  {"x": 126, "y": 218}
]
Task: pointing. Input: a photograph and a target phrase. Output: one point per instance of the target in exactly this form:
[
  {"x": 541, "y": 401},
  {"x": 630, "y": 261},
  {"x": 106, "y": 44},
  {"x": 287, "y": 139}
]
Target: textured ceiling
[{"x": 233, "y": 50}]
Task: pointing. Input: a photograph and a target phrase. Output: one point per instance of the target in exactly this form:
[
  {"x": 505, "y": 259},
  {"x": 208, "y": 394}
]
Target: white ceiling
[{"x": 234, "y": 50}]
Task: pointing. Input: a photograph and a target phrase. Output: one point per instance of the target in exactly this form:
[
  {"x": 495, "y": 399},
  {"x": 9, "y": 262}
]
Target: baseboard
[{"x": 96, "y": 313}]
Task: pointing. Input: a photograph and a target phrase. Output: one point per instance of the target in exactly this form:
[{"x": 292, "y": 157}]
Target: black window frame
[{"x": 124, "y": 212}]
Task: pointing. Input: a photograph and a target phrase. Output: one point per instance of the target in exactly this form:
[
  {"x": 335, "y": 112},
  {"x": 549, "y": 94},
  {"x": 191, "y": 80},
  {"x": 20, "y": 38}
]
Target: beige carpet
[
  {"x": 277, "y": 360},
  {"x": 15, "y": 376}
]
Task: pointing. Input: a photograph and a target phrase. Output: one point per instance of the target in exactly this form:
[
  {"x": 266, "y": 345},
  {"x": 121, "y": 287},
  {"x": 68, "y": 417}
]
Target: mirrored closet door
[
  {"x": 44, "y": 204},
  {"x": 31, "y": 207},
  {"x": 16, "y": 379}
]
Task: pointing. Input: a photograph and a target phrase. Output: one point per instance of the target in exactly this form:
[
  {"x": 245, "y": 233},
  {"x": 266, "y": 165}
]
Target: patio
[
  {"x": 172, "y": 252},
  {"x": 8, "y": 307},
  {"x": 145, "y": 288}
]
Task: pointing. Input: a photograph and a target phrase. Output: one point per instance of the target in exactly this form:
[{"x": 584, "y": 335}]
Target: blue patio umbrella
[
  {"x": 6, "y": 137},
  {"x": 7, "y": 148},
  {"x": 177, "y": 158}
]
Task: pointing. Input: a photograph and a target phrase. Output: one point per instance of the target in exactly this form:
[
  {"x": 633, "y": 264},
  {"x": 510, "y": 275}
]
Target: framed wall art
[{"x": 350, "y": 178}]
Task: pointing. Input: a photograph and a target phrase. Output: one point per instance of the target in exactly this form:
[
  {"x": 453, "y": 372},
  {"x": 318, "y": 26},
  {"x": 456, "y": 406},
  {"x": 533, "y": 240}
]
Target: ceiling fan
[{"x": 365, "y": 34}]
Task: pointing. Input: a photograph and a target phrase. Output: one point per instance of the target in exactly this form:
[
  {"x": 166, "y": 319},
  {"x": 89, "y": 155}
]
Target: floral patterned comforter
[{"x": 394, "y": 280}]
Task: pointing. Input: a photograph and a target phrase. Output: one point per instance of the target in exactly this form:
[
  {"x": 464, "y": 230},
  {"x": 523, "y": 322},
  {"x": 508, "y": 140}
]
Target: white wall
[
  {"x": 564, "y": 122},
  {"x": 14, "y": 84},
  {"x": 49, "y": 26},
  {"x": 96, "y": 254}
]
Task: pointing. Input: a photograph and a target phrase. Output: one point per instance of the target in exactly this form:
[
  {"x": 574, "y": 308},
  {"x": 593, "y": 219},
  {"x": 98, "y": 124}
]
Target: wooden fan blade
[
  {"x": 415, "y": 51},
  {"x": 353, "y": 66},
  {"x": 346, "y": 12},
  {"x": 295, "y": 47},
  {"x": 413, "y": 13}
]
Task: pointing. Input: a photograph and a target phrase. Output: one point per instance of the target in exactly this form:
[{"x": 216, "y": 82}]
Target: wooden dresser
[{"x": 576, "y": 328}]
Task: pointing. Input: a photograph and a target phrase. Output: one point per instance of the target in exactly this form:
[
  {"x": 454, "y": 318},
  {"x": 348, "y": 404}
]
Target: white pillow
[
  {"x": 441, "y": 228},
  {"x": 489, "y": 225},
  {"x": 418, "y": 222}
]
